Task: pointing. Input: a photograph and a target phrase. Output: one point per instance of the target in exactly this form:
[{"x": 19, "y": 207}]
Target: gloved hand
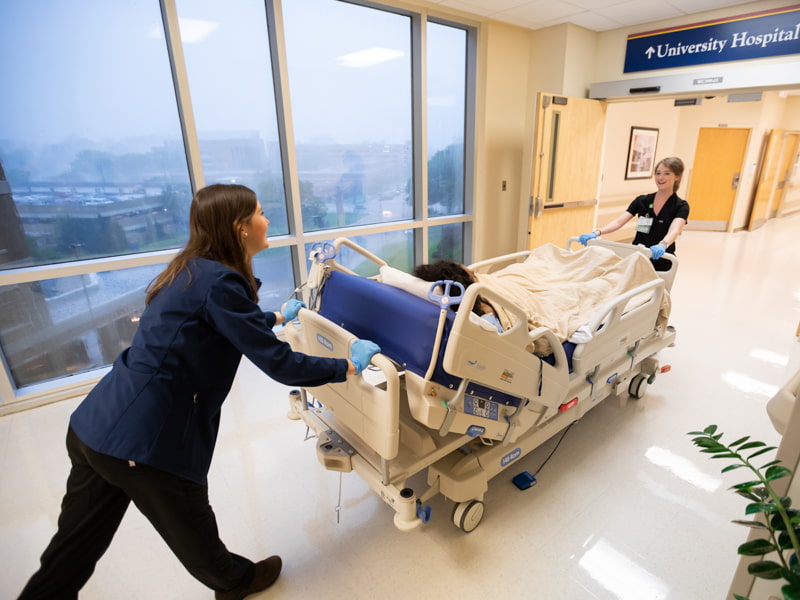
[
  {"x": 361, "y": 352},
  {"x": 586, "y": 237},
  {"x": 291, "y": 308},
  {"x": 657, "y": 251}
]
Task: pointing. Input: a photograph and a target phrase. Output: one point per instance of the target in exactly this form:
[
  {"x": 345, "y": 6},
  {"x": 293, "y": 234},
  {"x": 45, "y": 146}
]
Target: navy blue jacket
[{"x": 160, "y": 403}]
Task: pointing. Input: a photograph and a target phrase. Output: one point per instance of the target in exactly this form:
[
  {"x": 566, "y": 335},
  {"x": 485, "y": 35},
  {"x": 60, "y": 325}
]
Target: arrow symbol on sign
[{"x": 649, "y": 52}]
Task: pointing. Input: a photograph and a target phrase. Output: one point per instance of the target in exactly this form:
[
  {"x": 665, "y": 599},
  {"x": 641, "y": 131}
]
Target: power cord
[{"x": 525, "y": 480}]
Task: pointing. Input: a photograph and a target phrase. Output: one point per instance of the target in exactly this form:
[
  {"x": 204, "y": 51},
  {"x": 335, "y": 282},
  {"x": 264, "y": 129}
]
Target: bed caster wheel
[
  {"x": 467, "y": 515},
  {"x": 638, "y": 386}
]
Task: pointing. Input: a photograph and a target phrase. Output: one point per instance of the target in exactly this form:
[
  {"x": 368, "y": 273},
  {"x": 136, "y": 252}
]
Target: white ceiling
[{"x": 596, "y": 15}]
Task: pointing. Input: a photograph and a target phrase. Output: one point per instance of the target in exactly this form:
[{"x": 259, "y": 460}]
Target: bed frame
[{"x": 449, "y": 396}]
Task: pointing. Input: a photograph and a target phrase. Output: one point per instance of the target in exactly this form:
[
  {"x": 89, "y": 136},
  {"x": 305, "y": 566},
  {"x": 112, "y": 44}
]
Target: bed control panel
[{"x": 481, "y": 407}]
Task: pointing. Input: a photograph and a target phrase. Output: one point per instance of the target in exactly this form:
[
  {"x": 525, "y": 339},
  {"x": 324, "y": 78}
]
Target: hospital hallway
[{"x": 626, "y": 508}]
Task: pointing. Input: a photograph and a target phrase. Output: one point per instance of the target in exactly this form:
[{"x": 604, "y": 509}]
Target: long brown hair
[
  {"x": 674, "y": 164},
  {"x": 215, "y": 220}
]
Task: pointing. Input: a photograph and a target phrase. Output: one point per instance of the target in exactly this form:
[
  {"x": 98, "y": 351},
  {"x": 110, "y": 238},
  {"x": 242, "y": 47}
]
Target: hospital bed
[{"x": 449, "y": 395}]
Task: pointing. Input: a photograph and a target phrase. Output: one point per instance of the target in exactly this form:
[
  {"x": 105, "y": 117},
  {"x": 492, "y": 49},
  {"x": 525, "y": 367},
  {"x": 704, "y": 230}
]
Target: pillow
[{"x": 400, "y": 279}]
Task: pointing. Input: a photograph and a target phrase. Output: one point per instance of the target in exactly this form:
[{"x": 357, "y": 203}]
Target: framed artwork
[{"x": 641, "y": 153}]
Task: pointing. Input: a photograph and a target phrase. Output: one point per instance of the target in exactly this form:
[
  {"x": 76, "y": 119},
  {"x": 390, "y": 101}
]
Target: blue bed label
[
  {"x": 480, "y": 407},
  {"x": 475, "y": 430},
  {"x": 510, "y": 457},
  {"x": 325, "y": 342}
]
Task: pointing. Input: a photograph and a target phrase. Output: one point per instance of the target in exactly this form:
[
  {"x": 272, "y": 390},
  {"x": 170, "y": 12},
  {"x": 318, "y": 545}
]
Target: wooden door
[
  {"x": 567, "y": 150},
  {"x": 789, "y": 201},
  {"x": 775, "y": 168},
  {"x": 717, "y": 168}
]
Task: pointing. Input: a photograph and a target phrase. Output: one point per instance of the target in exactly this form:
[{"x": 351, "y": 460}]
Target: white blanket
[{"x": 561, "y": 290}]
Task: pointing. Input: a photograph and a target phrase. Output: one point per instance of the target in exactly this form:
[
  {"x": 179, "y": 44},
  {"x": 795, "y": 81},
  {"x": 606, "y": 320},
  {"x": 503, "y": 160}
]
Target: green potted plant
[{"x": 772, "y": 514}]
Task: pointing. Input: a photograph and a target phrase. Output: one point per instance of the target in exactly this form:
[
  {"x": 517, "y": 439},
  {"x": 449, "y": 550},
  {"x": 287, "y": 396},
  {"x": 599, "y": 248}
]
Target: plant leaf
[
  {"x": 757, "y": 548},
  {"x": 710, "y": 430},
  {"x": 747, "y": 485},
  {"x": 791, "y": 592},
  {"x": 732, "y": 467},
  {"x": 705, "y": 442},
  {"x": 766, "y": 569},
  {"x": 749, "y": 495},
  {"x": 769, "y": 464},
  {"x": 752, "y": 524},
  {"x": 777, "y": 524},
  {"x": 740, "y": 441},
  {"x": 776, "y": 472},
  {"x": 762, "y": 451},
  {"x": 784, "y": 541},
  {"x": 749, "y": 445},
  {"x": 760, "y": 507}
]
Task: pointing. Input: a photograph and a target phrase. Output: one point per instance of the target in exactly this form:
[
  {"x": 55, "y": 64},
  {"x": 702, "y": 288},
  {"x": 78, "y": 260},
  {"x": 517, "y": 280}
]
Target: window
[
  {"x": 228, "y": 63},
  {"x": 92, "y": 164},
  {"x": 90, "y": 140},
  {"x": 351, "y": 103},
  {"x": 447, "y": 72},
  {"x": 394, "y": 247},
  {"x": 58, "y": 327},
  {"x": 95, "y": 184}
]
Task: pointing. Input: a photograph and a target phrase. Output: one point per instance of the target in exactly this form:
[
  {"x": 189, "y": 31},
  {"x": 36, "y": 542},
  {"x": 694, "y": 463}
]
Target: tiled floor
[{"x": 626, "y": 509}]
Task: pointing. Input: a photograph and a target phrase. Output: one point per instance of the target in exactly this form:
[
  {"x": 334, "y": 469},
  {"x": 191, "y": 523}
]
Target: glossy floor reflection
[{"x": 626, "y": 509}]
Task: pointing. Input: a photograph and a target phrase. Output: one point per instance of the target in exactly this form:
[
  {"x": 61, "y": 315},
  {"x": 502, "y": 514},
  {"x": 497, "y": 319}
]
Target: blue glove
[
  {"x": 586, "y": 237},
  {"x": 657, "y": 251},
  {"x": 291, "y": 308},
  {"x": 361, "y": 352}
]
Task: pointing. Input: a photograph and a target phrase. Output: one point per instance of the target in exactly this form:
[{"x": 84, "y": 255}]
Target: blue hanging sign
[{"x": 756, "y": 35}]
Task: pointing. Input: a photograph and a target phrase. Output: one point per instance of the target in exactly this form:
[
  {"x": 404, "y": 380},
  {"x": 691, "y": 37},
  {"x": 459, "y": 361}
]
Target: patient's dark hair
[{"x": 443, "y": 270}]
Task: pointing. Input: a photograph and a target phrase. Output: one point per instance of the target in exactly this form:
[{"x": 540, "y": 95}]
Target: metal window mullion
[
  {"x": 470, "y": 127},
  {"x": 286, "y": 141},
  {"x": 180, "y": 79},
  {"x": 97, "y": 265},
  {"x": 419, "y": 135}
]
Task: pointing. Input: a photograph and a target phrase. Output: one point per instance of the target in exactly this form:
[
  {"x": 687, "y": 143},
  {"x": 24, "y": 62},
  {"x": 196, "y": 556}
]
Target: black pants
[{"x": 99, "y": 489}]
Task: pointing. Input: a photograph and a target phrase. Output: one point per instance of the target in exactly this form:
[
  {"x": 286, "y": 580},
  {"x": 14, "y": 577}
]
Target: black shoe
[{"x": 265, "y": 574}]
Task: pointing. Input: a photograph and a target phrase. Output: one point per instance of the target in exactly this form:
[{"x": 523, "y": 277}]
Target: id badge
[{"x": 644, "y": 224}]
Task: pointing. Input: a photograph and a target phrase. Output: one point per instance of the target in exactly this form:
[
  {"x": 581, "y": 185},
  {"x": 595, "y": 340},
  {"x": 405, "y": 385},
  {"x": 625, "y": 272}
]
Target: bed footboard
[{"x": 370, "y": 412}]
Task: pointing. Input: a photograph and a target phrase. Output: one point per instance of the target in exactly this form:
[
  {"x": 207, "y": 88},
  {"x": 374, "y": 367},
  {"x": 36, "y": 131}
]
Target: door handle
[
  {"x": 735, "y": 181},
  {"x": 535, "y": 207}
]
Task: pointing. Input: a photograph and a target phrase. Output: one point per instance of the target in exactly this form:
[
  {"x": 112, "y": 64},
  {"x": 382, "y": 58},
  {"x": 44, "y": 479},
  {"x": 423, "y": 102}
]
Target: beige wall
[
  {"x": 616, "y": 192},
  {"x": 506, "y": 129}
]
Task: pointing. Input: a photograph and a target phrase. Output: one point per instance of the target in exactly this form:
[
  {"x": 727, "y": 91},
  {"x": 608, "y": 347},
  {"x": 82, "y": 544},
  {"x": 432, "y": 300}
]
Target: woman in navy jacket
[{"x": 147, "y": 431}]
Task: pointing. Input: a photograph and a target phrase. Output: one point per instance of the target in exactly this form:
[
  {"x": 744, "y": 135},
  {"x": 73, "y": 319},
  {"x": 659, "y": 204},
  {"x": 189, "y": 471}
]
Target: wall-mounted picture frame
[{"x": 641, "y": 153}]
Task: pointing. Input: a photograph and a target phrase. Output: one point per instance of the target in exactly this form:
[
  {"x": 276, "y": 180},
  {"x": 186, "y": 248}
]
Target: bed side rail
[
  {"x": 372, "y": 413},
  {"x": 612, "y": 328},
  {"x": 503, "y": 360}
]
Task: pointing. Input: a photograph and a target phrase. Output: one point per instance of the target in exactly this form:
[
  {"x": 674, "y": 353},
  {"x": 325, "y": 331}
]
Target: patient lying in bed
[{"x": 556, "y": 288}]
